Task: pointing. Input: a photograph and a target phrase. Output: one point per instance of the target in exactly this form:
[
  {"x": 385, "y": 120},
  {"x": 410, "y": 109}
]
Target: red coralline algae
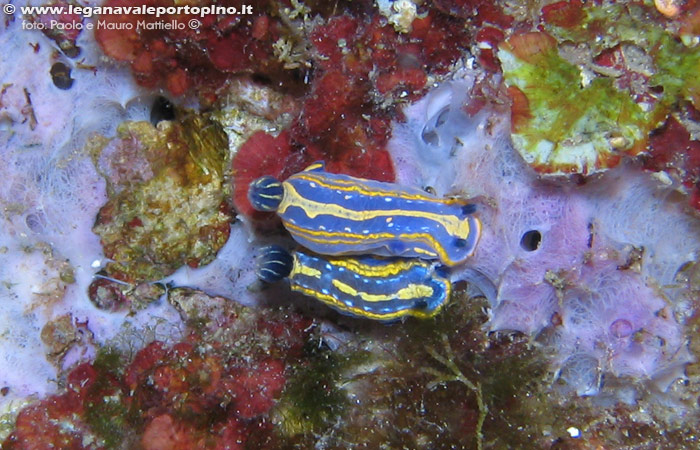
[
  {"x": 143, "y": 362},
  {"x": 254, "y": 390},
  {"x": 520, "y": 113},
  {"x": 121, "y": 40},
  {"x": 690, "y": 24},
  {"x": 566, "y": 14},
  {"x": 41, "y": 423},
  {"x": 487, "y": 21},
  {"x": 359, "y": 64},
  {"x": 441, "y": 39},
  {"x": 181, "y": 370},
  {"x": 672, "y": 150},
  {"x": 333, "y": 94},
  {"x": 343, "y": 116},
  {"x": 341, "y": 119},
  {"x": 326, "y": 36},
  {"x": 479, "y": 11},
  {"x": 531, "y": 47},
  {"x": 346, "y": 117},
  {"x": 182, "y": 57},
  {"x": 203, "y": 393},
  {"x": 632, "y": 78},
  {"x": 282, "y": 156},
  {"x": 212, "y": 390},
  {"x": 167, "y": 433},
  {"x": 65, "y": 33},
  {"x": 264, "y": 154},
  {"x": 488, "y": 39},
  {"x": 108, "y": 295},
  {"x": 56, "y": 420}
]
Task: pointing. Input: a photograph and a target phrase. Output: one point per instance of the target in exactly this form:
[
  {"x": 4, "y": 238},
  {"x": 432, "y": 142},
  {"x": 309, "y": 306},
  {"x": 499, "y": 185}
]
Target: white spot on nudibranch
[{"x": 574, "y": 432}]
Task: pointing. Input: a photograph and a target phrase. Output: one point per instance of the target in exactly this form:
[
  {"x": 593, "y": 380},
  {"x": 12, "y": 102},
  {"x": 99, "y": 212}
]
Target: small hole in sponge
[
  {"x": 60, "y": 74},
  {"x": 430, "y": 137},
  {"x": 442, "y": 117},
  {"x": 162, "y": 109},
  {"x": 531, "y": 240}
]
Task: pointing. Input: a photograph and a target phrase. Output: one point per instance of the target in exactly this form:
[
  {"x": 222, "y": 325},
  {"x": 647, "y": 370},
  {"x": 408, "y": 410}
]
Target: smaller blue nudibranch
[
  {"x": 335, "y": 214},
  {"x": 378, "y": 288}
]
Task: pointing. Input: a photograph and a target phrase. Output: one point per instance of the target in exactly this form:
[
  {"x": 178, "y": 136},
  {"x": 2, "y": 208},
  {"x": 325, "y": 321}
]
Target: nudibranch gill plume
[{"x": 335, "y": 214}]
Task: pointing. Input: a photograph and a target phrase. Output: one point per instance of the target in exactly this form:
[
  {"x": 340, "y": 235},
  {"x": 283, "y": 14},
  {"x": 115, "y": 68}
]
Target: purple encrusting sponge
[{"x": 588, "y": 269}]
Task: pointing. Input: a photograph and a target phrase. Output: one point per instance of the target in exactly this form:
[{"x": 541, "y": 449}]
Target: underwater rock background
[
  {"x": 130, "y": 313},
  {"x": 575, "y": 283}
]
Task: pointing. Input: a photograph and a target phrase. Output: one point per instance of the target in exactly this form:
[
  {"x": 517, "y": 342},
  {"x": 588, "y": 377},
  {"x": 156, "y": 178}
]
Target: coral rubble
[{"x": 146, "y": 230}]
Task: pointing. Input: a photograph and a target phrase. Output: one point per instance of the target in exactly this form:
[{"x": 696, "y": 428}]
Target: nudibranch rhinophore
[
  {"x": 334, "y": 214},
  {"x": 379, "y": 288}
]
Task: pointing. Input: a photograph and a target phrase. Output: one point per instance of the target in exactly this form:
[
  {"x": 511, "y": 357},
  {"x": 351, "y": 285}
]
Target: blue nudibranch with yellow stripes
[
  {"x": 336, "y": 214},
  {"x": 378, "y": 288}
]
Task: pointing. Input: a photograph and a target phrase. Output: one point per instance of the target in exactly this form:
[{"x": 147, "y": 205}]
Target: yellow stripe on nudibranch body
[
  {"x": 338, "y": 215},
  {"x": 372, "y": 287}
]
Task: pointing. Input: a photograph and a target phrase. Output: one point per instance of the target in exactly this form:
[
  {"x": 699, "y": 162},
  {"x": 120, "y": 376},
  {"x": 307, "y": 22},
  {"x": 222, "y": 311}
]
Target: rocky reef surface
[{"x": 130, "y": 312}]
